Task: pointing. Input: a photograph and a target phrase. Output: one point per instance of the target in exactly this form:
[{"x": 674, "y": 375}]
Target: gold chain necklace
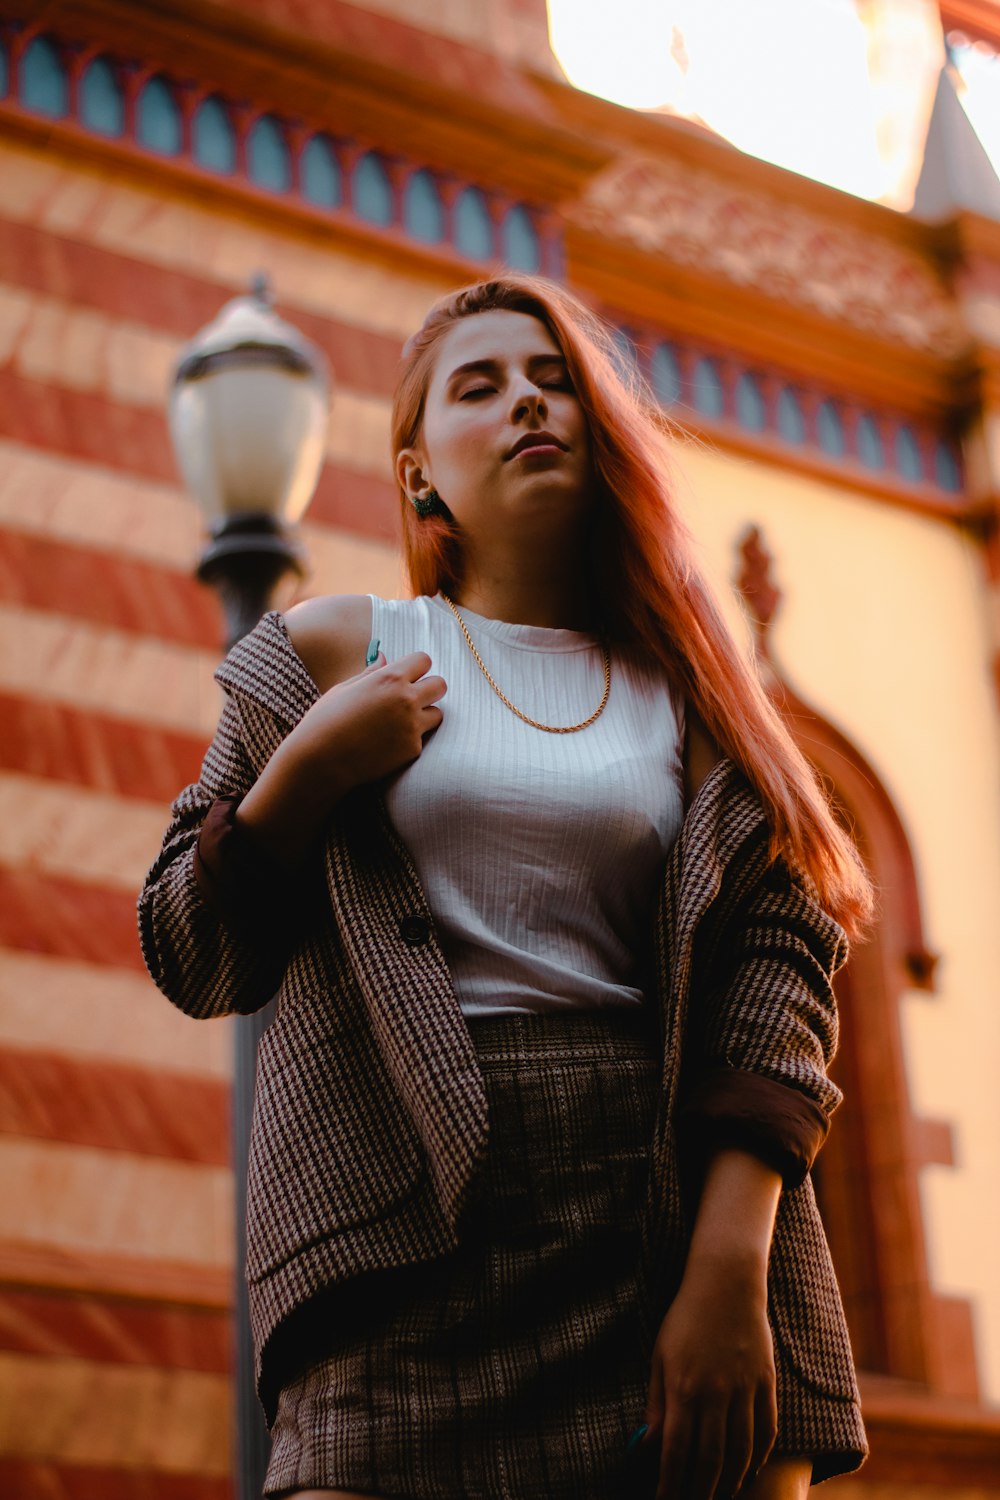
[{"x": 549, "y": 728}]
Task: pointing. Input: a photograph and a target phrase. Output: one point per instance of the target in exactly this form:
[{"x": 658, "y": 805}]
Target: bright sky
[{"x": 786, "y": 80}]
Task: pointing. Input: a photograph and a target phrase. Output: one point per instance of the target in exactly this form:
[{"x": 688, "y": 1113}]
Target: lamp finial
[{"x": 260, "y": 288}]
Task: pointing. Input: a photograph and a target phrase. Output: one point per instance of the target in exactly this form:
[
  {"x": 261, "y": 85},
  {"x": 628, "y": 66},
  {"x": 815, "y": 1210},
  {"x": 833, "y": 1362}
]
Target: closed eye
[{"x": 476, "y": 390}]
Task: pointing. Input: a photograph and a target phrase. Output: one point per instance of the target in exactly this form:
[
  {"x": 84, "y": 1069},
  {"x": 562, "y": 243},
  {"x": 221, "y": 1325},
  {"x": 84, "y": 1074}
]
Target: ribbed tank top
[{"x": 539, "y": 853}]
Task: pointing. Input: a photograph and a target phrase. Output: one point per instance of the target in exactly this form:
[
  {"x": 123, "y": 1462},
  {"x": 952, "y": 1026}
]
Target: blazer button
[{"x": 414, "y": 931}]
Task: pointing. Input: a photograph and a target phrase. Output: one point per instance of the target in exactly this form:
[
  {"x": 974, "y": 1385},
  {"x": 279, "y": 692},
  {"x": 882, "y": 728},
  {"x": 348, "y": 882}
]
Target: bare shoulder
[
  {"x": 331, "y": 634},
  {"x": 701, "y": 753}
]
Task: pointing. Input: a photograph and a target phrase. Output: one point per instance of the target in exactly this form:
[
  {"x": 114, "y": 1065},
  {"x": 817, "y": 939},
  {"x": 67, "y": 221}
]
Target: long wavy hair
[{"x": 645, "y": 575}]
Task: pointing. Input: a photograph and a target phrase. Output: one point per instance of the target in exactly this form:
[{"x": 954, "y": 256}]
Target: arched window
[
  {"x": 519, "y": 240},
  {"x": 946, "y": 467},
  {"x": 267, "y": 155},
  {"x": 102, "y": 106},
  {"x": 791, "y": 417},
  {"x": 423, "y": 211},
  {"x": 830, "y": 429},
  {"x": 473, "y": 226},
  {"x": 371, "y": 192},
  {"x": 213, "y": 137},
  {"x": 44, "y": 85},
  {"x": 870, "y": 449},
  {"x": 751, "y": 411},
  {"x": 709, "y": 396},
  {"x": 157, "y": 119},
  {"x": 319, "y": 173},
  {"x": 666, "y": 375},
  {"x": 908, "y": 460}
]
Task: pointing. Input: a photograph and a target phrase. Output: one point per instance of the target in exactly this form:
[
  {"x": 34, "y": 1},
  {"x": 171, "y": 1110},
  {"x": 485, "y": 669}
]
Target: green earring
[{"x": 430, "y": 505}]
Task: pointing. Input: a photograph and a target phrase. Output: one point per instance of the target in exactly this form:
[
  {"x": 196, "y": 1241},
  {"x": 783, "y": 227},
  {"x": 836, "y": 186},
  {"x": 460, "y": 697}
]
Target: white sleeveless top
[{"x": 540, "y": 854}]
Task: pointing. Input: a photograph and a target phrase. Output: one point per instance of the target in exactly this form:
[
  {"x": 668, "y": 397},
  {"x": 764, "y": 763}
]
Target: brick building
[{"x": 839, "y": 362}]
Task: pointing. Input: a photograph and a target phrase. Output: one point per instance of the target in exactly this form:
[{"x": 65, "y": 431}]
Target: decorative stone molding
[{"x": 759, "y": 241}]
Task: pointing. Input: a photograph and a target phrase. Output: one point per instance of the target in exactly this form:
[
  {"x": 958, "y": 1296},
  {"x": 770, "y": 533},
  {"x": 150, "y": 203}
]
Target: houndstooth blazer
[{"x": 370, "y": 1114}]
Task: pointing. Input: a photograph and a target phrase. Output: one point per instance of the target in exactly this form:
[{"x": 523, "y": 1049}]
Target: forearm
[
  {"x": 288, "y": 804},
  {"x": 735, "y": 1218}
]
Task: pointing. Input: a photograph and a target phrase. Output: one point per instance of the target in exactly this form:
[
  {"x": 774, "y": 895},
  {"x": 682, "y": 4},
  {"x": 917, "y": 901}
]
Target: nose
[{"x": 528, "y": 401}]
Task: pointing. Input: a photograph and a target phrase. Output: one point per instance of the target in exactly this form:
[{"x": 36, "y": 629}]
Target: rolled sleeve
[
  {"x": 766, "y": 1029},
  {"x": 730, "y": 1108}
]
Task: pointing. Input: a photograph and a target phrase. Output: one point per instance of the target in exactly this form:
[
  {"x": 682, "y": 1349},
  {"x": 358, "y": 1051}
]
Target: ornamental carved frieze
[{"x": 760, "y": 241}]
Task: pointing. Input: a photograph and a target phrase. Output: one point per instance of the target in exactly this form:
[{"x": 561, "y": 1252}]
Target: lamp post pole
[{"x": 248, "y": 417}]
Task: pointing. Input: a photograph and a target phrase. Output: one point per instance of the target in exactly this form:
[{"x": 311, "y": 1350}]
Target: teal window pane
[
  {"x": 791, "y": 418},
  {"x": 473, "y": 226},
  {"x": 423, "y": 211},
  {"x": 157, "y": 119},
  {"x": 750, "y": 409},
  {"x": 830, "y": 429},
  {"x": 870, "y": 449},
  {"x": 908, "y": 460},
  {"x": 519, "y": 240},
  {"x": 102, "y": 107},
  {"x": 44, "y": 85},
  {"x": 319, "y": 173},
  {"x": 267, "y": 155},
  {"x": 666, "y": 375},
  {"x": 213, "y": 137},
  {"x": 946, "y": 468},
  {"x": 372, "y": 195},
  {"x": 709, "y": 396}
]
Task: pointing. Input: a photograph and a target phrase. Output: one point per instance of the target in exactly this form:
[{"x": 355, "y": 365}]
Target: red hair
[{"x": 649, "y": 585}]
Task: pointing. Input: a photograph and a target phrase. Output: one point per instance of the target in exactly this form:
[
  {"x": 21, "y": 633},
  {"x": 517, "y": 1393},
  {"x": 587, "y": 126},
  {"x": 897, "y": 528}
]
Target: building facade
[{"x": 835, "y": 366}]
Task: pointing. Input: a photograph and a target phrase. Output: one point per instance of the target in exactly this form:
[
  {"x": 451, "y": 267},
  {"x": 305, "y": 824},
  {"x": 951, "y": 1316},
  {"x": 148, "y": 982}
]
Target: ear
[{"x": 410, "y": 473}]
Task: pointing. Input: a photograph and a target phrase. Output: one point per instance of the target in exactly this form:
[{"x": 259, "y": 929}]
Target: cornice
[
  {"x": 621, "y": 133},
  {"x": 756, "y": 316}
]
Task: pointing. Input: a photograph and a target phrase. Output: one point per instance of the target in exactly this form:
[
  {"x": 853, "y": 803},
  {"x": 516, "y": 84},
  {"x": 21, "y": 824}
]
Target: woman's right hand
[
  {"x": 363, "y": 727},
  {"x": 370, "y": 725}
]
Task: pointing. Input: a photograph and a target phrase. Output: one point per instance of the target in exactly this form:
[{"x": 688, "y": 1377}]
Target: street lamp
[{"x": 248, "y": 418}]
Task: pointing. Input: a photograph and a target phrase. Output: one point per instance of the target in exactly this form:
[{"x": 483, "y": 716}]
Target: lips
[{"x": 535, "y": 440}]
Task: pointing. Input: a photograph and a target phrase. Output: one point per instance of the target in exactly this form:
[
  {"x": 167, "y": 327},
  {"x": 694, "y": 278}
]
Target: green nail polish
[
  {"x": 636, "y": 1438},
  {"x": 371, "y": 655}
]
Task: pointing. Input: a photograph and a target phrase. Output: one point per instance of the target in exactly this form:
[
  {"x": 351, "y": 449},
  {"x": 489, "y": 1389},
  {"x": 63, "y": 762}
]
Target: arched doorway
[{"x": 867, "y": 1176}]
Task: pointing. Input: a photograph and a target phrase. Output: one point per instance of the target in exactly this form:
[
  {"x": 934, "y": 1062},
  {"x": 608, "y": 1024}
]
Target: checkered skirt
[{"x": 514, "y": 1367}]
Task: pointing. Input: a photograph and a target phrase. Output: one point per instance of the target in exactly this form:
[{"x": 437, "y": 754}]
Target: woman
[{"x": 529, "y": 1207}]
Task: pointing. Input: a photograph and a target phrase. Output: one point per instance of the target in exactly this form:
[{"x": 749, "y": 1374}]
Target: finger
[
  {"x": 432, "y": 718},
  {"x": 380, "y": 661},
  {"x": 675, "y": 1451},
  {"x": 765, "y": 1428},
  {"x": 738, "y": 1448},
  {"x": 414, "y": 665},
  {"x": 430, "y": 689},
  {"x": 708, "y": 1455}
]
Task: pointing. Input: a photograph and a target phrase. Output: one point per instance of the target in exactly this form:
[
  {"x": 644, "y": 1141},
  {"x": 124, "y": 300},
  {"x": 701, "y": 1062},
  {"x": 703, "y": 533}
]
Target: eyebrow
[{"x": 491, "y": 366}]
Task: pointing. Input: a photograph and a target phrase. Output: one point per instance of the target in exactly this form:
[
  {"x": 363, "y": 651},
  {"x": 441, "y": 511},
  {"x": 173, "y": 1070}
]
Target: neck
[{"x": 536, "y": 591}]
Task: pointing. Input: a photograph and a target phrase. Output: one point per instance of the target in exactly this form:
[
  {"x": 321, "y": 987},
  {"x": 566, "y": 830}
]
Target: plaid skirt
[{"x": 513, "y": 1369}]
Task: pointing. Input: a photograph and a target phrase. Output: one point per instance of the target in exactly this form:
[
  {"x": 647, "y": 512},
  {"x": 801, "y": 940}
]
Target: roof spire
[{"x": 957, "y": 175}]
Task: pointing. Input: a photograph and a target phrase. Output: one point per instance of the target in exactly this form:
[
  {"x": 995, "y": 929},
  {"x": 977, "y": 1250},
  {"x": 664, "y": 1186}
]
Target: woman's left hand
[{"x": 711, "y": 1403}]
